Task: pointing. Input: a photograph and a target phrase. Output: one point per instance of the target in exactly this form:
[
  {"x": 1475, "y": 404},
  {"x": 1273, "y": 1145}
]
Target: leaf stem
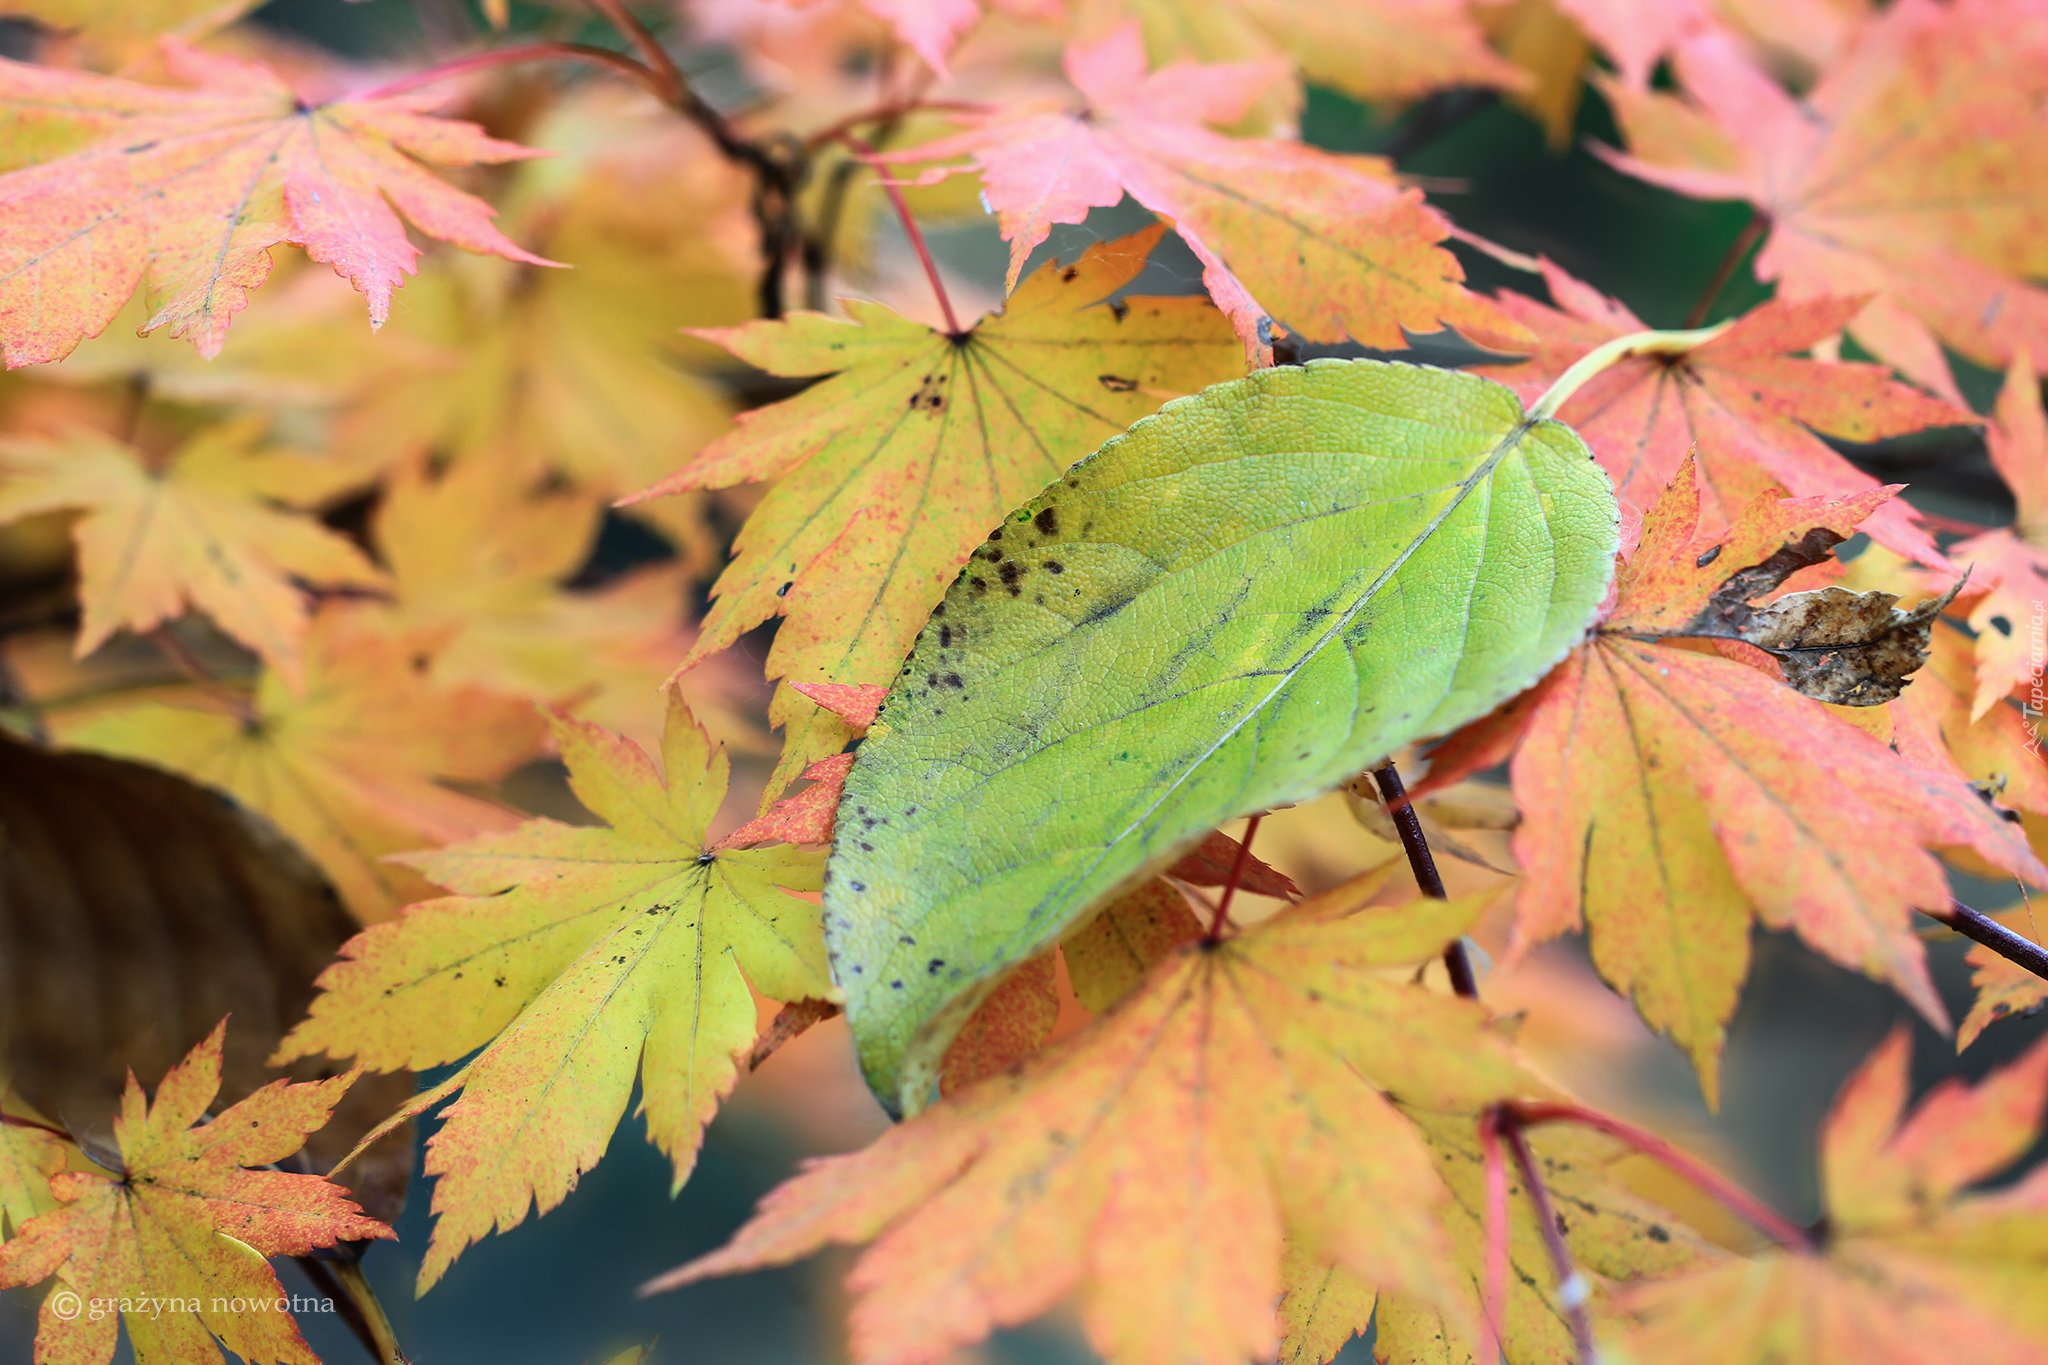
[
  {"x": 1423, "y": 864},
  {"x": 891, "y": 113},
  {"x": 1572, "y": 1287},
  {"x": 1759, "y": 223},
  {"x": 506, "y": 56},
  {"x": 341, "y": 1280},
  {"x": 1974, "y": 925},
  {"x": 1611, "y": 353},
  {"x": 185, "y": 661},
  {"x": 671, "y": 86},
  {"x": 1710, "y": 1181},
  {"x": 910, "y": 229},
  {"x": 1244, "y": 853},
  {"x": 16, "y": 1121}
]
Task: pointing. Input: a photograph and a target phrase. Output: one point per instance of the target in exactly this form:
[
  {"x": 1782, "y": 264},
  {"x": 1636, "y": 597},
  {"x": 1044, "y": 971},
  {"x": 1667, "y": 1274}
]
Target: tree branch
[
  {"x": 1572, "y": 1288},
  {"x": 1759, "y": 223},
  {"x": 2014, "y": 948},
  {"x": 506, "y": 56},
  {"x": 1423, "y": 864}
]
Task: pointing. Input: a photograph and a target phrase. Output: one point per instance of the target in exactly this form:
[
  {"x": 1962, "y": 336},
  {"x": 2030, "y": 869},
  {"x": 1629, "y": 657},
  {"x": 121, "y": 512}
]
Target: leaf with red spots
[{"x": 184, "y": 191}]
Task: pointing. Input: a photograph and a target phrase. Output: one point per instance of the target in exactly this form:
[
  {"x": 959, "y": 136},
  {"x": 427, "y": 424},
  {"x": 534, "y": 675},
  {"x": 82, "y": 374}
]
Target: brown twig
[
  {"x": 891, "y": 113},
  {"x": 1759, "y": 223},
  {"x": 924, "y": 256},
  {"x": 673, "y": 89},
  {"x": 1572, "y": 1287},
  {"x": 193, "y": 667},
  {"x": 1244, "y": 853},
  {"x": 16, "y": 1121},
  {"x": 1710, "y": 1181},
  {"x": 1423, "y": 864},
  {"x": 383, "y": 1348},
  {"x": 506, "y": 56},
  {"x": 1981, "y": 928}
]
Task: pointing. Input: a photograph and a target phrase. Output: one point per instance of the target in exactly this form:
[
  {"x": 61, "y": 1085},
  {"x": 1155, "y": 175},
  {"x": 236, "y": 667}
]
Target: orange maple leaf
[
  {"x": 1744, "y": 404},
  {"x": 1328, "y": 246},
  {"x": 1912, "y": 1269},
  {"x": 1669, "y": 795},
  {"x": 1899, "y": 174},
  {"x": 176, "y": 1237},
  {"x": 186, "y": 191},
  {"x": 2009, "y": 566},
  {"x": 1156, "y": 1159},
  {"x": 200, "y": 527}
]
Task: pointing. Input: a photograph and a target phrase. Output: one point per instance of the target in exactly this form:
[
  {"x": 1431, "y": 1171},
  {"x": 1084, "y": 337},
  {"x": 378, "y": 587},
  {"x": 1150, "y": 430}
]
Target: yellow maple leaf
[
  {"x": 200, "y": 528},
  {"x": 1156, "y": 1160},
  {"x": 176, "y": 1237},
  {"x": 29, "y": 1156},
  {"x": 575, "y": 957},
  {"x": 890, "y": 472},
  {"x": 1911, "y": 1268},
  {"x": 348, "y": 767}
]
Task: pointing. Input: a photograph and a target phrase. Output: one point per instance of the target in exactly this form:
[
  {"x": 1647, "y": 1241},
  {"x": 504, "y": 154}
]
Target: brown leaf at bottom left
[{"x": 173, "y": 1242}]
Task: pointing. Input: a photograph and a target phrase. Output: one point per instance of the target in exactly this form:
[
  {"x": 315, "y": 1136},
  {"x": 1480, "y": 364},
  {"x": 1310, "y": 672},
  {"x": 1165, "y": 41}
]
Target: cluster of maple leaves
[{"x": 331, "y": 574}]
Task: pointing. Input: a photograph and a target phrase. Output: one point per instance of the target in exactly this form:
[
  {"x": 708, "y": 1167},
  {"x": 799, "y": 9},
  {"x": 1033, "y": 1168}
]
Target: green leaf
[{"x": 1239, "y": 603}]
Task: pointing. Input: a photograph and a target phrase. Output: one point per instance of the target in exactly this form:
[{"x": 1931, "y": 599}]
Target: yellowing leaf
[
  {"x": 186, "y": 191},
  {"x": 28, "y": 1158},
  {"x": 1912, "y": 1270},
  {"x": 202, "y": 529},
  {"x": 1155, "y": 1161},
  {"x": 1667, "y": 796},
  {"x": 117, "y": 28},
  {"x": 348, "y": 766},
  {"x": 1899, "y": 175},
  {"x": 576, "y": 957},
  {"x": 181, "y": 1229},
  {"x": 2004, "y": 988},
  {"x": 893, "y": 470},
  {"x": 1326, "y": 246}
]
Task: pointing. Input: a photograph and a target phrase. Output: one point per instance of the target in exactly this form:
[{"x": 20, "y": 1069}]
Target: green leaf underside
[{"x": 1239, "y": 603}]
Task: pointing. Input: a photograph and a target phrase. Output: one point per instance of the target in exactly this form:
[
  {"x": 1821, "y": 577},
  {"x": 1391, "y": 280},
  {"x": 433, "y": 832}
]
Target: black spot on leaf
[
  {"x": 1047, "y": 521},
  {"x": 1116, "y": 383}
]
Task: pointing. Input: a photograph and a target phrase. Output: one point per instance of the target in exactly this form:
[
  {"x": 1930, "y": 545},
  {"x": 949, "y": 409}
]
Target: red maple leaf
[{"x": 186, "y": 191}]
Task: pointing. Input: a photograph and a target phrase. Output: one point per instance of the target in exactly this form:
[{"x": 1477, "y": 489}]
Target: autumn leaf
[
  {"x": 29, "y": 1156},
  {"x": 115, "y": 29},
  {"x": 584, "y": 373},
  {"x": 2009, "y": 566},
  {"x": 351, "y": 766},
  {"x": 1912, "y": 1269},
  {"x": 890, "y": 472},
  {"x": 1013, "y": 1023},
  {"x": 1742, "y": 403},
  {"x": 1156, "y": 1160},
  {"x": 576, "y": 957},
  {"x": 1668, "y": 796},
  {"x": 1327, "y": 246},
  {"x": 1614, "y": 1235},
  {"x": 1393, "y": 50},
  {"x": 2005, "y": 989},
  {"x": 183, "y": 1219},
  {"x": 186, "y": 191},
  {"x": 201, "y": 528},
  {"x": 1898, "y": 174}
]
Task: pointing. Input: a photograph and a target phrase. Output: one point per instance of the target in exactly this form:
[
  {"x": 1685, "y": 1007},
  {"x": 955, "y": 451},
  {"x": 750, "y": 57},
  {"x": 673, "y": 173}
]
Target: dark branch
[
  {"x": 1423, "y": 864},
  {"x": 2014, "y": 948}
]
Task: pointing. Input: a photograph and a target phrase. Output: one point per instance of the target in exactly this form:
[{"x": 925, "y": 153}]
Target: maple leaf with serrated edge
[
  {"x": 1912, "y": 1269},
  {"x": 200, "y": 528},
  {"x": 1908, "y": 172},
  {"x": 1743, "y": 404},
  {"x": 1614, "y": 1235},
  {"x": 183, "y": 1220},
  {"x": 1669, "y": 795},
  {"x": 2009, "y": 566},
  {"x": 889, "y": 473},
  {"x": 347, "y": 766},
  {"x": 576, "y": 957},
  {"x": 1369, "y": 49},
  {"x": 186, "y": 191},
  {"x": 1328, "y": 246},
  {"x": 1155, "y": 1160},
  {"x": 2004, "y": 988}
]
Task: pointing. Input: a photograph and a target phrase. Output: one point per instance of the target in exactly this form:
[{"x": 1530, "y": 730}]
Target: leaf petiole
[{"x": 1611, "y": 353}]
